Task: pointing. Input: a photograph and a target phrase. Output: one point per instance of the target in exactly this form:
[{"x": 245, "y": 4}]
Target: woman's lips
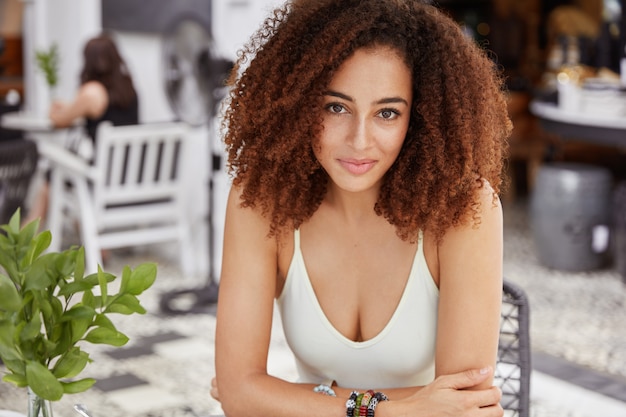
[{"x": 357, "y": 166}]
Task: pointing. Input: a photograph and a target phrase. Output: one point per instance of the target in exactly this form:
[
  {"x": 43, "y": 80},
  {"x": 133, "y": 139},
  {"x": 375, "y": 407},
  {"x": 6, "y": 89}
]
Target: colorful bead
[
  {"x": 351, "y": 404},
  {"x": 376, "y": 398},
  {"x": 357, "y": 408},
  {"x": 325, "y": 389},
  {"x": 367, "y": 396}
]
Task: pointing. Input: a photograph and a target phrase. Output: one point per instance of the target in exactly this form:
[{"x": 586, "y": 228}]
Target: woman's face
[{"x": 365, "y": 118}]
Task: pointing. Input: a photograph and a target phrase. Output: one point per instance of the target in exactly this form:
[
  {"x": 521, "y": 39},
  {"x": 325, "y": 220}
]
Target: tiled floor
[{"x": 577, "y": 333}]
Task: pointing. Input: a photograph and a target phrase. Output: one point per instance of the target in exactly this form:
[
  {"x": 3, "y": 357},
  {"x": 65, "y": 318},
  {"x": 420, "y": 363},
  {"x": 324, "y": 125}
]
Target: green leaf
[
  {"x": 40, "y": 275},
  {"x": 43, "y": 382},
  {"x": 26, "y": 236},
  {"x": 16, "y": 379},
  {"x": 80, "y": 318},
  {"x": 93, "y": 279},
  {"x": 142, "y": 278},
  {"x": 65, "y": 262},
  {"x": 75, "y": 287},
  {"x": 78, "y": 311},
  {"x": 8, "y": 350},
  {"x": 126, "y": 304},
  {"x": 62, "y": 334},
  {"x": 89, "y": 299},
  {"x": 17, "y": 366},
  {"x": 103, "y": 285},
  {"x": 78, "y": 386},
  {"x": 10, "y": 299},
  {"x": 103, "y": 321},
  {"x": 14, "y": 222},
  {"x": 42, "y": 242},
  {"x": 106, "y": 336},
  {"x": 31, "y": 330},
  {"x": 71, "y": 363},
  {"x": 79, "y": 269},
  {"x": 48, "y": 313}
]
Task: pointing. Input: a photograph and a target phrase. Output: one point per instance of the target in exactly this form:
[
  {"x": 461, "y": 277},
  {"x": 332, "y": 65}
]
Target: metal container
[{"x": 570, "y": 214}]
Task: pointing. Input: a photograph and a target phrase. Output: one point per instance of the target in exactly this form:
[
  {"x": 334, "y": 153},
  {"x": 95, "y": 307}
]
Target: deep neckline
[{"x": 298, "y": 258}]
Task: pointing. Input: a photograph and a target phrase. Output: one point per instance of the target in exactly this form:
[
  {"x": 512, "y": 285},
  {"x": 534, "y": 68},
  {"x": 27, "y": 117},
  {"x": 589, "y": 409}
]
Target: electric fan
[
  {"x": 194, "y": 75},
  {"x": 194, "y": 78}
]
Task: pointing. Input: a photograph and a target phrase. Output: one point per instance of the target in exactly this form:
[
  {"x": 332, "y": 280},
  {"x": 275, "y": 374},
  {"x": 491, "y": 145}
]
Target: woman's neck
[{"x": 353, "y": 207}]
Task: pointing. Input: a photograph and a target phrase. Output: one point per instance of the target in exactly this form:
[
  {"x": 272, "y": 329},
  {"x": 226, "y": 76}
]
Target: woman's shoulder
[
  {"x": 95, "y": 98},
  {"x": 484, "y": 216},
  {"x": 93, "y": 88},
  {"x": 245, "y": 217}
]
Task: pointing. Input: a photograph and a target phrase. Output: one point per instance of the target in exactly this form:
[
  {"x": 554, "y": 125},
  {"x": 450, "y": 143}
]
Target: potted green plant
[
  {"x": 49, "y": 308},
  {"x": 48, "y": 63}
]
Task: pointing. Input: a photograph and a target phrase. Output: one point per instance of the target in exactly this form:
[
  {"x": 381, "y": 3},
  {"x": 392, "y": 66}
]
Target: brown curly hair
[{"x": 456, "y": 135}]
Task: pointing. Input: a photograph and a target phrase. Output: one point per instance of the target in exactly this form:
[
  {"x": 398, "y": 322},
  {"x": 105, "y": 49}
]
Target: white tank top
[{"x": 401, "y": 355}]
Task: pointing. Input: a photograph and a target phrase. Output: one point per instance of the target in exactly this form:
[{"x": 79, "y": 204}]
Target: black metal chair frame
[{"x": 514, "y": 364}]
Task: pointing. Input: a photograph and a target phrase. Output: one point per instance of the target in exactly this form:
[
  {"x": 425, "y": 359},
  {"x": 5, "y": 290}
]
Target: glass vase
[{"x": 37, "y": 406}]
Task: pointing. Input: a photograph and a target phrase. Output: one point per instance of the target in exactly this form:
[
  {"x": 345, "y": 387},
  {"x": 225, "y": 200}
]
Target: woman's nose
[{"x": 361, "y": 134}]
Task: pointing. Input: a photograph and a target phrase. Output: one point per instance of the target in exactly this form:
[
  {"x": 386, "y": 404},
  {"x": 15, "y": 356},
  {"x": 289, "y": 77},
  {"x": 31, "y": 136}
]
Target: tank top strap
[{"x": 296, "y": 240}]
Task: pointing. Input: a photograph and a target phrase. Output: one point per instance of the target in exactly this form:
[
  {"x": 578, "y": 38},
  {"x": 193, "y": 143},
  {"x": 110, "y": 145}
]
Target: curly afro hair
[{"x": 457, "y": 132}]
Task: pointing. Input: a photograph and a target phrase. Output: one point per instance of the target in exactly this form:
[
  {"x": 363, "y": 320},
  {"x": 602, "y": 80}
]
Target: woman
[
  {"x": 106, "y": 93},
  {"x": 366, "y": 141}
]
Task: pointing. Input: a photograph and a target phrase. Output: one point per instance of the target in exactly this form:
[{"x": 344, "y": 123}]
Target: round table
[{"x": 592, "y": 128}]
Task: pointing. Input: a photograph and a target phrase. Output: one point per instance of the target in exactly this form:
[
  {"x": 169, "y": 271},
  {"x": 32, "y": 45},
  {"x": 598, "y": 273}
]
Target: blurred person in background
[{"x": 106, "y": 92}]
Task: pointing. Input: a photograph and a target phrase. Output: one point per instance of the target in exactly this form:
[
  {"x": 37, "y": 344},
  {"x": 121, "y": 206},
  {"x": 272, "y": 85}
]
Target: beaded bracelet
[
  {"x": 325, "y": 389},
  {"x": 363, "y": 405},
  {"x": 357, "y": 407},
  {"x": 351, "y": 404},
  {"x": 371, "y": 407}
]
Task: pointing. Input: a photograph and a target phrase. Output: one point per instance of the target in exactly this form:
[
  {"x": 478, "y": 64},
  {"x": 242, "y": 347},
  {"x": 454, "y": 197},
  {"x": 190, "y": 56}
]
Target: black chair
[
  {"x": 18, "y": 162},
  {"x": 513, "y": 368},
  {"x": 9, "y": 134}
]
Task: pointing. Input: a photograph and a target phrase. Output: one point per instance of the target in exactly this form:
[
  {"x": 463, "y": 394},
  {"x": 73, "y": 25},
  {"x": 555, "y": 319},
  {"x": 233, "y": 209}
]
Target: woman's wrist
[{"x": 387, "y": 409}]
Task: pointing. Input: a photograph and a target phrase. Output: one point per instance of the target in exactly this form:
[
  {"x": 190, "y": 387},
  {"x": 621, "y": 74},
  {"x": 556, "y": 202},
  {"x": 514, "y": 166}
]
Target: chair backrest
[
  {"x": 18, "y": 162},
  {"x": 514, "y": 367},
  {"x": 138, "y": 165}
]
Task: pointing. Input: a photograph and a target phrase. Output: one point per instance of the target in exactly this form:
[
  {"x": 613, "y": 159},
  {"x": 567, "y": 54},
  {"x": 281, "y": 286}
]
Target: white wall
[
  {"x": 69, "y": 24},
  {"x": 235, "y": 20}
]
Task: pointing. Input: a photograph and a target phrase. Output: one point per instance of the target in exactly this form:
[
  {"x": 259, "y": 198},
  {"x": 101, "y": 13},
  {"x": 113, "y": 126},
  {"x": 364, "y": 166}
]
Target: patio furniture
[
  {"x": 18, "y": 162},
  {"x": 513, "y": 367},
  {"x": 132, "y": 195},
  {"x": 570, "y": 215}
]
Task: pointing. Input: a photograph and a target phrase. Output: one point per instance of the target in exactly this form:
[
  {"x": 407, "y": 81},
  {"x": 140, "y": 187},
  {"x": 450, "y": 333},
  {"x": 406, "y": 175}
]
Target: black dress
[{"x": 119, "y": 116}]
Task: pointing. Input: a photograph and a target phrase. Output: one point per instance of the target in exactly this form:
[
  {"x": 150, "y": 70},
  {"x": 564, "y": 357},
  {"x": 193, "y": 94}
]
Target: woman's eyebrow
[
  {"x": 338, "y": 94},
  {"x": 391, "y": 100},
  {"x": 386, "y": 100}
]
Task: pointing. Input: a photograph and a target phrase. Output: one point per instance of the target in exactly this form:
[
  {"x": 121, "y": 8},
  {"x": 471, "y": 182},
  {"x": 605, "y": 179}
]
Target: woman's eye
[
  {"x": 388, "y": 114},
  {"x": 335, "y": 108}
]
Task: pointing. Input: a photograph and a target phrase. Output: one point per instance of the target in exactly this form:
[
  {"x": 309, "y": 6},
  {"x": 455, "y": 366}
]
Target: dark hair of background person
[
  {"x": 103, "y": 63},
  {"x": 457, "y": 132}
]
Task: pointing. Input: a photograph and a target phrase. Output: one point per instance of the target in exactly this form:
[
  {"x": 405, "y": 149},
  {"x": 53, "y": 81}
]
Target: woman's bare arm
[
  {"x": 91, "y": 101},
  {"x": 470, "y": 292},
  {"x": 244, "y": 318}
]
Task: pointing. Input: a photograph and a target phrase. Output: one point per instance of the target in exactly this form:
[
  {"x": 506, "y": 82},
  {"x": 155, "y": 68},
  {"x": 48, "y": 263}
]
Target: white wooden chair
[{"x": 132, "y": 194}]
